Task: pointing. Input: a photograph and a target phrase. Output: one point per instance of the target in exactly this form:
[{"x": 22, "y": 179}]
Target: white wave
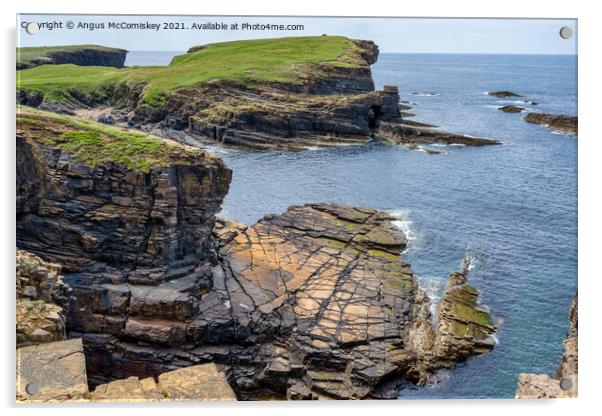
[
  {"x": 403, "y": 222},
  {"x": 457, "y": 144},
  {"x": 473, "y": 263},
  {"x": 425, "y": 94},
  {"x": 433, "y": 289}
]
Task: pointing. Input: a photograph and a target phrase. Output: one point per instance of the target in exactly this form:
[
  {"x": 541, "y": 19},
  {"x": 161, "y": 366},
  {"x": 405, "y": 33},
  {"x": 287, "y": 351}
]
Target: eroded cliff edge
[
  {"x": 312, "y": 303},
  {"x": 317, "y": 91}
]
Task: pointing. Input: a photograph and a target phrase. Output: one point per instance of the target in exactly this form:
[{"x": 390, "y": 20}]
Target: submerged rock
[
  {"x": 503, "y": 94},
  {"x": 511, "y": 109},
  {"x": 556, "y": 122},
  {"x": 565, "y": 381}
]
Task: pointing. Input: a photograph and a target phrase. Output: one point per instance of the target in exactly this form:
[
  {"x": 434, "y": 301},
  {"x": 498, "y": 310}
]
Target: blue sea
[{"x": 513, "y": 206}]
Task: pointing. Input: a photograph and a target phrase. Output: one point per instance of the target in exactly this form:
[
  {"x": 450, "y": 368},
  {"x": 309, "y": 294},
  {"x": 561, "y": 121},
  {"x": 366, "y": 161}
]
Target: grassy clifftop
[
  {"x": 40, "y": 55},
  {"x": 94, "y": 143},
  {"x": 284, "y": 60}
]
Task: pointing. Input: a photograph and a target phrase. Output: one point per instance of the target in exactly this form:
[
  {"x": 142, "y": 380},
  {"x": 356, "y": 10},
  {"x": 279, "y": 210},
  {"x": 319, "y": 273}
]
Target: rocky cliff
[
  {"x": 299, "y": 103},
  {"x": 565, "y": 381},
  {"x": 313, "y": 303},
  {"x": 80, "y": 204},
  {"x": 557, "y": 122},
  {"x": 84, "y": 55}
]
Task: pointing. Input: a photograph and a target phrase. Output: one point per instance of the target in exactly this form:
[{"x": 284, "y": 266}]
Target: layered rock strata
[
  {"x": 42, "y": 300},
  {"x": 56, "y": 372},
  {"x": 565, "y": 382},
  {"x": 557, "y": 122},
  {"x": 313, "y": 303},
  {"x": 330, "y": 105},
  {"x": 86, "y": 216}
]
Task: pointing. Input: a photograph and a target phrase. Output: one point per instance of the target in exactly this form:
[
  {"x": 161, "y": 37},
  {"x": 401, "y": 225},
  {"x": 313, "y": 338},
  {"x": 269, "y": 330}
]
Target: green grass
[
  {"x": 26, "y": 55},
  {"x": 94, "y": 143},
  {"x": 470, "y": 314},
  {"x": 284, "y": 60},
  {"x": 384, "y": 254}
]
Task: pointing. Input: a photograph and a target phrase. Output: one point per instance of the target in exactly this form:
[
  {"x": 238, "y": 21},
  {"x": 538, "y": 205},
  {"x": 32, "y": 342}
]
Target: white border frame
[{"x": 590, "y": 205}]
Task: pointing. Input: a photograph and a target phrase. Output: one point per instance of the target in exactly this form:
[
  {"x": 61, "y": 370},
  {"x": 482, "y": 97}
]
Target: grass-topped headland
[
  {"x": 29, "y": 57},
  {"x": 289, "y": 60},
  {"x": 94, "y": 143}
]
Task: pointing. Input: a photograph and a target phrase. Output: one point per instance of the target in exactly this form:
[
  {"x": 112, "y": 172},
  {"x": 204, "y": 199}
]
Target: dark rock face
[
  {"x": 565, "y": 381},
  {"x": 78, "y": 215},
  {"x": 82, "y": 57},
  {"x": 557, "y": 122},
  {"x": 503, "y": 94}
]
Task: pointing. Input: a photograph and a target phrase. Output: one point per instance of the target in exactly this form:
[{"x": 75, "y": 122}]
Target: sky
[{"x": 393, "y": 35}]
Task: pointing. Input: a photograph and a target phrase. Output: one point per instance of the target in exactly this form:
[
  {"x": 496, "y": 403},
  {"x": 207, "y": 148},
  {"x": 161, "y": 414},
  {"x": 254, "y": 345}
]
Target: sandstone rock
[
  {"x": 42, "y": 300},
  {"x": 556, "y": 122},
  {"x": 314, "y": 303},
  {"x": 80, "y": 215},
  {"x": 57, "y": 368},
  {"x": 565, "y": 382},
  {"x": 197, "y": 383},
  {"x": 465, "y": 328}
]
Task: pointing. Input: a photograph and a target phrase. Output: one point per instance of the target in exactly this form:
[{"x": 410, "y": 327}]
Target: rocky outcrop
[
  {"x": 462, "y": 327},
  {"x": 56, "y": 373},
  {"x": 331, "y": 105},
  {"x": 85, "y": 55},
  {"x": 42, "y": 300},
  {"x": 313, "y": 303},
  {"x": 52, "y": 372},
  {"x": 556, "y": 122},
  {"x": 406, "y": 133},
  {"x": 511, "y": 109},
  {"x": 565, "y": 381},
  {"x": 100, "y": 216},
  {"x": 503, "y": 94},
  {"x": 276, "y": 117}
]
